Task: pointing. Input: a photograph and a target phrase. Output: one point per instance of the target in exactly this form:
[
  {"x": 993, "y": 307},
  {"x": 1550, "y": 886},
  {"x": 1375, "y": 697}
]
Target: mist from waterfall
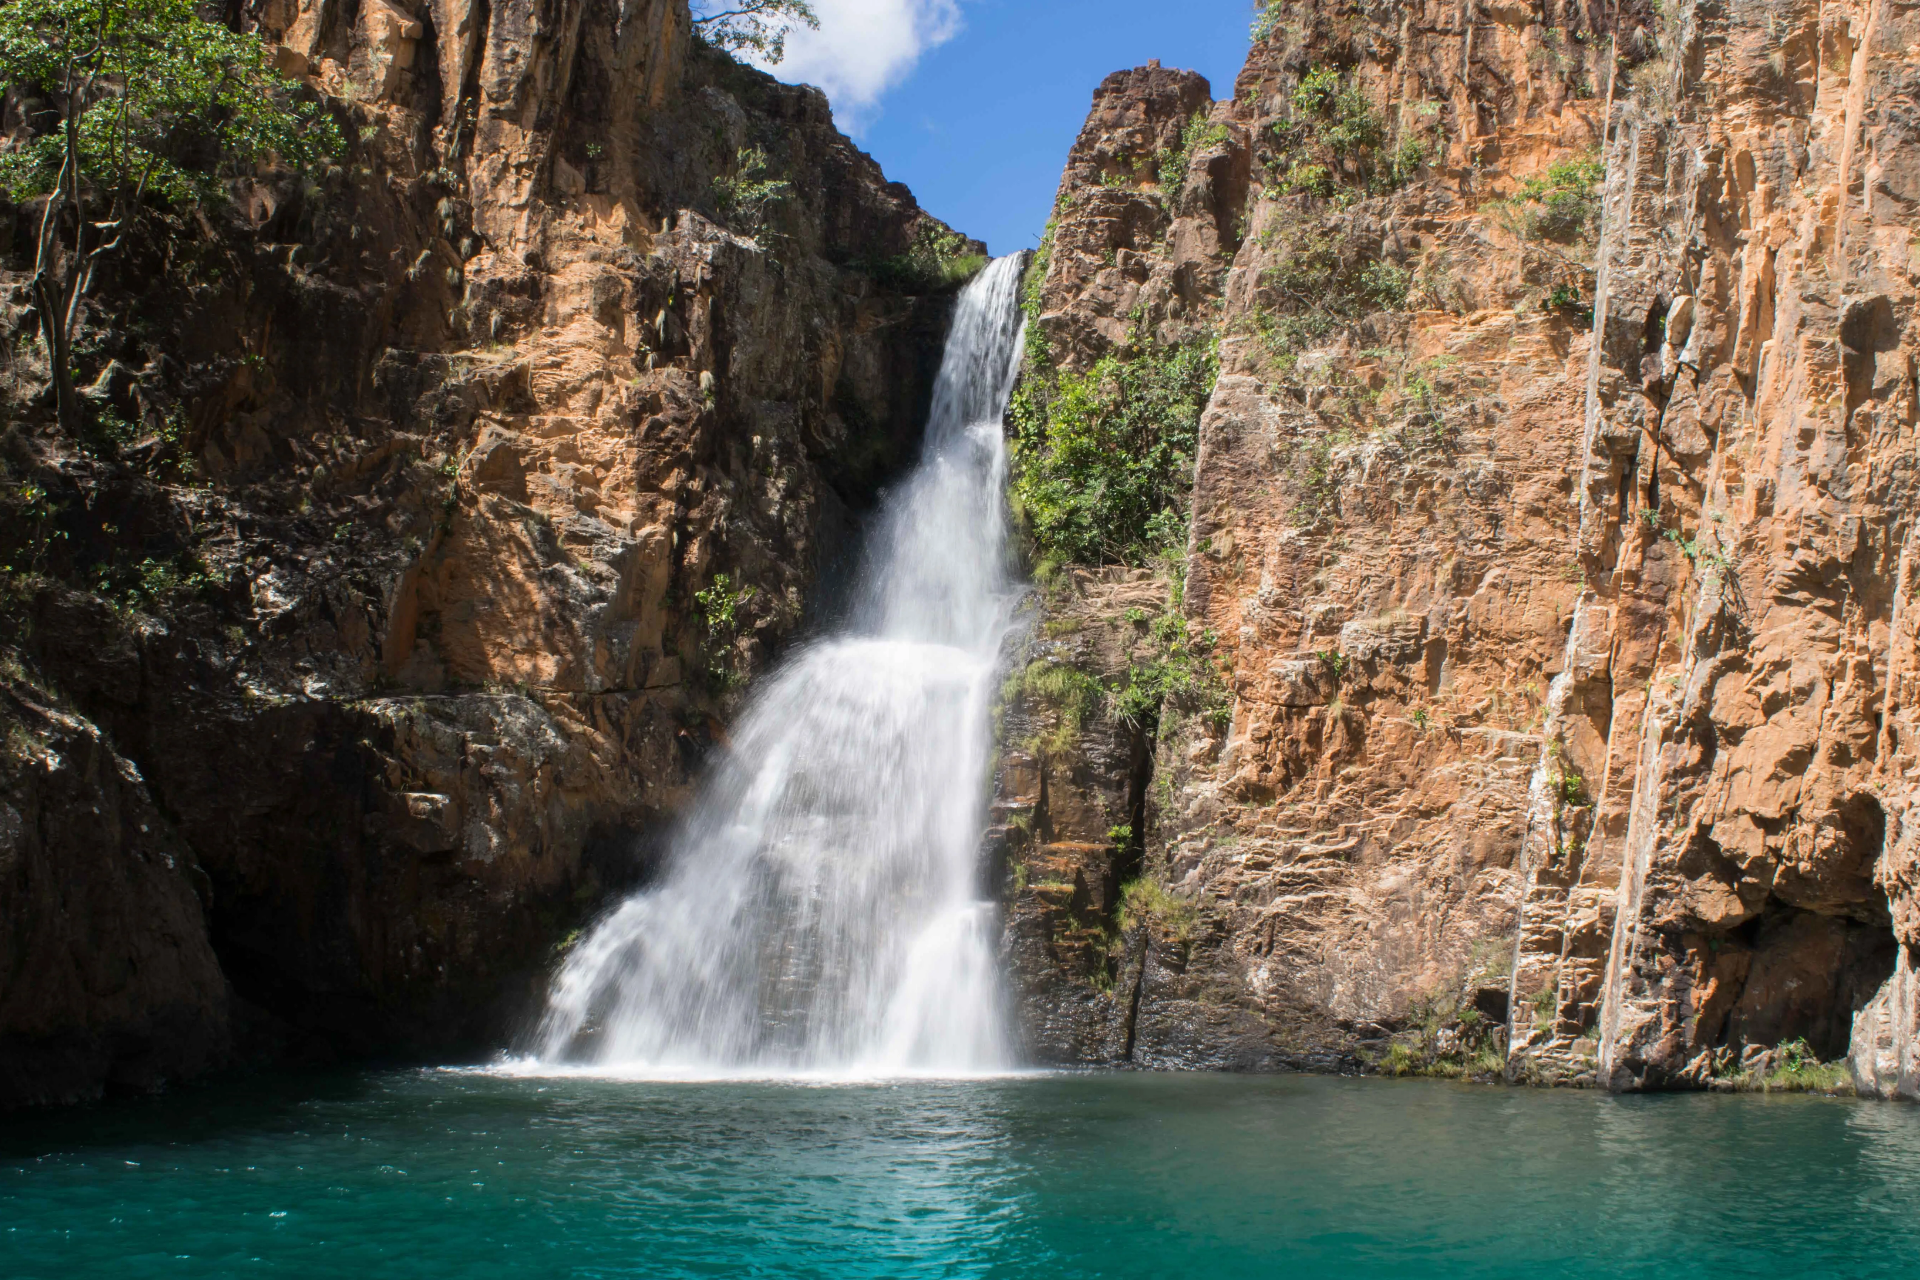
[{"x": 821, "y": 910}]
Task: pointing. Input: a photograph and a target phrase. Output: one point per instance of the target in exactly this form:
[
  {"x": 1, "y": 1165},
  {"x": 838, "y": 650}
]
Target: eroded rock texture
[
  {"x": 456, "y": 489},
  {"x": 1738, "y": 701},
  {"x": 1382, "y": 519},
  {"x": 1559, "y": 568}
]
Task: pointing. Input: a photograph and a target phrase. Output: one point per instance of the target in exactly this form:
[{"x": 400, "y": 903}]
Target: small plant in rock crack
[
  {"x": 1195, "y": 135},
  {"x": 1569, "y": 787},
  {"x": 1566, "y": 299},
  {"x": 746, "y": 195},
  {"x": 720, "y": 605},
  {"x": 721, "y": 608},
  {"x": 34, "y": 520}
]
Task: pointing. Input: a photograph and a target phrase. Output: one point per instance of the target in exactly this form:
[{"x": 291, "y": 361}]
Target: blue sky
[{"x": 974, "y": 103}]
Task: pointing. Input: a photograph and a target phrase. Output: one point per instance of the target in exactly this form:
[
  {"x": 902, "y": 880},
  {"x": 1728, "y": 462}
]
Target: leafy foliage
[
  {"x": 1267, "y": 20},
  {"x": 148, "y": 89},
  {"x": 1181, "y": 671},
  {"x": 1564, "y": 203},
  {"x": 29, "y": 516},
  {"x": 1331, "y": 139},
  {"x": 939, "y": 259},
  {"x": 1321, "y": 279},
  {"x": 151, "y": 101},
  {"x": 757, "y": 27},
  {"x": 1105, "y": 458},
  {"x": 1195, "y": 135},
  {"x": 747, "y": 195},
  {"x": 720, "y": 605}
]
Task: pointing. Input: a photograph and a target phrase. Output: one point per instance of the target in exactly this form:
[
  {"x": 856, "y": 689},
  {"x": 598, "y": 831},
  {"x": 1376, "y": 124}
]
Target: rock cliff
[
  {"x": 431, "y": 510},
  {"x": 1543, "y": 606}
]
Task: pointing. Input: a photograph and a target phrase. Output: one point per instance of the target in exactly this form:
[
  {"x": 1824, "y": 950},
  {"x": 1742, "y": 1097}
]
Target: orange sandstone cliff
[{"x": 1544, "y": 609}]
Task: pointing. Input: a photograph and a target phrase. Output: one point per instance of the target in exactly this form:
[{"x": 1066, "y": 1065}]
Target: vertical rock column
[{"x": 1733, "y": 702}]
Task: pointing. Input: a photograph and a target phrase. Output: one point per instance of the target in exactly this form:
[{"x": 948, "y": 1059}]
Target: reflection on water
[{"x": 441, "y": 1174}]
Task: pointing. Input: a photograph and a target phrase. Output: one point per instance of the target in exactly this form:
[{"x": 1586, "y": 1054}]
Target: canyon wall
[
  {"x": 432, "y": 509},
  {"x": 1544, "y": 591}
]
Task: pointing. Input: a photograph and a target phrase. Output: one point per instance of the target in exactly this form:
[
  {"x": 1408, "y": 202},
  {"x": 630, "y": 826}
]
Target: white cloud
[{"x": 864, "y": 48}]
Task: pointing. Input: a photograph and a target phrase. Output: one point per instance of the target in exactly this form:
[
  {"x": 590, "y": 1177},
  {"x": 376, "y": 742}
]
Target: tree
[
  {"x": 134, "y": 91},
  {"x": 759, "y": 26}
]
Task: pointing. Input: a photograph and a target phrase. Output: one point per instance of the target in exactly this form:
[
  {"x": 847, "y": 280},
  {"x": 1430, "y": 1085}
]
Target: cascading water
[{"x": 820, "y": 911}]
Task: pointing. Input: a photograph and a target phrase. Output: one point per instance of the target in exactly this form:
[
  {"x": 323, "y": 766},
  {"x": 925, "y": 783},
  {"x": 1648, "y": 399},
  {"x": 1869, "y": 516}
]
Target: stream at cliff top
[
  {"x": 821, "y": 909},
  {"x": 430, "y": 1174}
]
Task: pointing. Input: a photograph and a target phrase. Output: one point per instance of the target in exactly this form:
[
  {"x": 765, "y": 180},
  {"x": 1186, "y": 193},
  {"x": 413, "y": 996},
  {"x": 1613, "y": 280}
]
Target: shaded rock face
[
  {"x": 1559, "y": 579},
  {"x": 1068, "y": 817},
  {"x": 109, "y": 976},
  {"x": 461, "y": 486}
]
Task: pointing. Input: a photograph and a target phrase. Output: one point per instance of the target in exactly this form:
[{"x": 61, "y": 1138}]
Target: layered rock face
[
  {"x": 441, "y": 503},
  {"x": 1548, "y": 539}
]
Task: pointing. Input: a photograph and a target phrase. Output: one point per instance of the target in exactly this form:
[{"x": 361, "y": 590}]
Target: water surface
[{"x": 442, "y": 1174}]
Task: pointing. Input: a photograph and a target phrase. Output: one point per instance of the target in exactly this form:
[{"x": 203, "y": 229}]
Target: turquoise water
[{"x": 439, "y": 1174}]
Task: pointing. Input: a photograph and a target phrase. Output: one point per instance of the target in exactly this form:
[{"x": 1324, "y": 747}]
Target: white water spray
[{"x": 820, "y": 912}]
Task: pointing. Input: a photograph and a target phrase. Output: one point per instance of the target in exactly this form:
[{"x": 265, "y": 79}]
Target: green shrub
[
  {"x": 1564, "y": 203},
  {"x": 1321, "y": 279},
  {"x": 745, "y": 195},
  {"x": 940, "y": 259},
  {"x": 1267, "y": 20},
  {"x": 1104, "y": 459},
  {"x": 1332, "y": 137},
  {"x": 161, "y": 107},
  {"x": 1148, "y": 902},
  {"x": 1180, "y": 670},
  {"x": 720, "y": 608}
]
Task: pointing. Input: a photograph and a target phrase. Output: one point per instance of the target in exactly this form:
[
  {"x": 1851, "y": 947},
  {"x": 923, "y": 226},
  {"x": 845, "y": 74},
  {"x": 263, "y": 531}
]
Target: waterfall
[{"x": 820, "y": 911}]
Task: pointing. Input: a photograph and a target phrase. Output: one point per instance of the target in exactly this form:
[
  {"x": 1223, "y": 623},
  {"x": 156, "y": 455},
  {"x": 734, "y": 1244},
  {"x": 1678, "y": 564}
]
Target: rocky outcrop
[
  {"x": 439, "y": 502},
  {"x": 1379, "y": 552},
  {"x": 1550, "y": 533},
  {"x": 110, "y": 979}
]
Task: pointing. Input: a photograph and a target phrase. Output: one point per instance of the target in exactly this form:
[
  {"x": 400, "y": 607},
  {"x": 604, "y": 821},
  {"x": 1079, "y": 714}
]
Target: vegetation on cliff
[
  {"x": 1104, "y": 458},
  {"x": 147, "y": 102},
  {"x": 1330, "y": 140}
]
